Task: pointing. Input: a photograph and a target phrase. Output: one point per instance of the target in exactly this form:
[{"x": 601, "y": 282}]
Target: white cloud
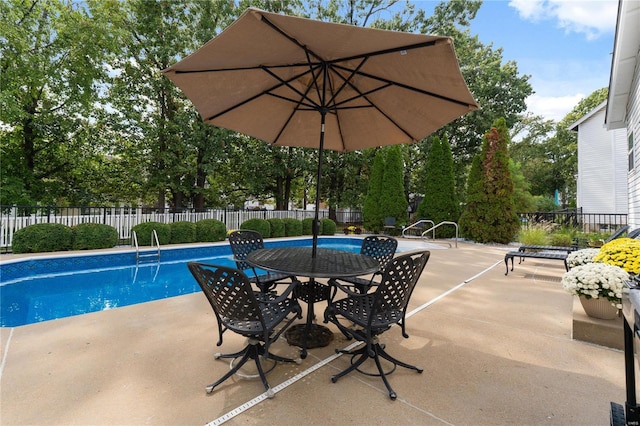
[
  {"x": 553, "y": 107},
  {"x": 589, "y": 17}
]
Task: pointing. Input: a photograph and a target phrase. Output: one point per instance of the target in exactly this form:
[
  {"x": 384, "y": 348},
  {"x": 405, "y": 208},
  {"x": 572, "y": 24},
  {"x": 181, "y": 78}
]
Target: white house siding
[
  {"x": 633, "y": 127},
  {"x": 602, "y": 177}
]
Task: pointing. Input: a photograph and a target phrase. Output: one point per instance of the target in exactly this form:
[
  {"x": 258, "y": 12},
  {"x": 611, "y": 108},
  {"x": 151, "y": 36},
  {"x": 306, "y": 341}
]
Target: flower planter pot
[{"x": 600, "y": 308}]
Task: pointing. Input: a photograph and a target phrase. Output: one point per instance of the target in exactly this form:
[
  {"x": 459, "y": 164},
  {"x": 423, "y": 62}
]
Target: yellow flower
[{"x": 622, "y": 252}]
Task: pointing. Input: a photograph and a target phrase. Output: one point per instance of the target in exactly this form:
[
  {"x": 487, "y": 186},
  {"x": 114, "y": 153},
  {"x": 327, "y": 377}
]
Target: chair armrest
[
  {"x": 334, "y": 282},
  {"x": 284, "y": 295}
]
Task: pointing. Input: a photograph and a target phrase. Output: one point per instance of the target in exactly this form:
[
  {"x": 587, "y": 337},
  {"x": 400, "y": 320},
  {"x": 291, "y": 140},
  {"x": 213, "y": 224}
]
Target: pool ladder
[
  {"x": 147, "y": 255},
  {"x": 419, "y": 226}
]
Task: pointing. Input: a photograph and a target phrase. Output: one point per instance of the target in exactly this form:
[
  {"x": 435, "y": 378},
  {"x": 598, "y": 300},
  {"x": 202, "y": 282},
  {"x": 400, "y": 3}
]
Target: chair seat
[{"x": 358, "y": 311}]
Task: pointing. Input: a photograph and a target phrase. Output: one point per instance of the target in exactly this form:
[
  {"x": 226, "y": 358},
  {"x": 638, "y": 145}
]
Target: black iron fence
[
  {"x": 123, "y": 219},
  {"x": 586, "y": 222}
]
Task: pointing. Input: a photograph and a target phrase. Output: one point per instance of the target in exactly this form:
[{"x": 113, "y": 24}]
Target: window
[{"x": 630, "y": 151}]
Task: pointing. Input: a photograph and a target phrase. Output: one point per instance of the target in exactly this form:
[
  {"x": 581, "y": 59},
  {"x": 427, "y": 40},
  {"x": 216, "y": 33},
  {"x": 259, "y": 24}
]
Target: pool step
[{"x": 148, "y": 257}]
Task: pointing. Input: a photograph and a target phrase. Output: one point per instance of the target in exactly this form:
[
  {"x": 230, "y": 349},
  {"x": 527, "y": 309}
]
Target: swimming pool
[{"x": 57, "y": 286}]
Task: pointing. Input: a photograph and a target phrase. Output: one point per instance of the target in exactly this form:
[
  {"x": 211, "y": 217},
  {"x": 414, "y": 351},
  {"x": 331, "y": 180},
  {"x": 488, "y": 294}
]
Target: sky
[{"x": 564, "y": 45}]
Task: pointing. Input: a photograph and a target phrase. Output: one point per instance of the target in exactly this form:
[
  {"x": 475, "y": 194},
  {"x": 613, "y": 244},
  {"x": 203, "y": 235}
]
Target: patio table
[{"x": 327, "y": 263}]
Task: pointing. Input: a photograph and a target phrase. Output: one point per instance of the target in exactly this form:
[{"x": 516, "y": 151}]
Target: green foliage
[
  {"x": 260, "y": 225},
  {"x": 328, "y": 226},
  {"x": 210, "y": 230},
  {"x": 534, "y": 236},
  {"x": 523, "y": 201},
  {"x": 307, "y": 226},
  {"x": 440, "y": 202},
  {"x": 544, "y": 203},
  {"x": 292, "y": 227},
  {"x": 183, "y": 232},
  {"x": 372, "y": 215},
  {"x": 144, "y": 231},
  {"x": 393, "y": 199},
  {"x": 491, "y": 216},
  {"x": 562, "y": 239},
  {"x": 54, "y": 59},
  {"x": 474, "y": 196},
  {"x": 42, "y": 237},
  {"x": 277, "y": 227},
  {"x": 90, "y": 236}
]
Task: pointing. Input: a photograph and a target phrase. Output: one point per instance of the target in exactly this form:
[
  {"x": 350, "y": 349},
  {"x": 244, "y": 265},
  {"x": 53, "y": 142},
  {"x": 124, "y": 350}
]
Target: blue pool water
[{"x": 41, "y": 289}]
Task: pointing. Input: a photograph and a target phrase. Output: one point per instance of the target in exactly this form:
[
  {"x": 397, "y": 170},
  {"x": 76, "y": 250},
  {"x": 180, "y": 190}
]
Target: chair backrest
[
  {"x": 242, "y": 243},
  {"x": 617, "y": 234},
  {"x": 230, "y": 294},
  {"x": 634, "y": 234},
  {"x": 381, "y": 249},
  {"x": 399, "y": 279}
]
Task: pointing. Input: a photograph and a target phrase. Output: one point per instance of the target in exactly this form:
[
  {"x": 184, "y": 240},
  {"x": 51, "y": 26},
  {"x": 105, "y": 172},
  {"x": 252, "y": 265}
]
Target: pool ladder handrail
[
  {"x": 432, "y": 229},
  {"x": 154, "y": 243}
]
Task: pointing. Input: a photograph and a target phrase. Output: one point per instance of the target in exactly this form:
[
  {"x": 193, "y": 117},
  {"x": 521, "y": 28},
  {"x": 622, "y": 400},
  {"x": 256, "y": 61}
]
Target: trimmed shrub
[
  {"x": 91, "y": 236},
  {"x": 42, "y": 237},
  {"x": 210, "y": 230},
  {"x": 144, "y": 230},
  {"x": 183, "y": 232},
  {"x": 307, "y": 226},
  {"x": 562, "y": 239},
  {"x": 440, "y": 201},
  {"x": 292, "y": 227},
  {"x": 328, "y": 227},
  {"x": 277, "y": 227},
  {"x": 260, "y": 225}
]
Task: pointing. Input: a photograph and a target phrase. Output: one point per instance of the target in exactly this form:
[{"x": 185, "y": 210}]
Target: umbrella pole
[{"x": 316, "y": 220}]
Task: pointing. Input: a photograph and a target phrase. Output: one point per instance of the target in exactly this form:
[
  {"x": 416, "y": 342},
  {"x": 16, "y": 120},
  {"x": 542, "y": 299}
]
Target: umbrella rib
[
  {"x": 390, "y": 50},
  {"x": 407, "y": 87},
  {"x": 268, "y": 91}
]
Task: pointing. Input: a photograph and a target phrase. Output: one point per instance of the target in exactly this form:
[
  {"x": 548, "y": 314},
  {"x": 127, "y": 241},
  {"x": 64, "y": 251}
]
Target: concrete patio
[{"x": 496, "y": 350}]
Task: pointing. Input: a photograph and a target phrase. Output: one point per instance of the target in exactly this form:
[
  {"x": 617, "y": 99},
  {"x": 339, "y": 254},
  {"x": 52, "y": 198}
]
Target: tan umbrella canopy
[{"x": 298, "y": 82}]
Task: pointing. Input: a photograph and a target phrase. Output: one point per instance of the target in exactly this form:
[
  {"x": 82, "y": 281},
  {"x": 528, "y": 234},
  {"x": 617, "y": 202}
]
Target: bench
[
  {"x": 534, "y": 255},
  {"x": 548, "y": 248}
]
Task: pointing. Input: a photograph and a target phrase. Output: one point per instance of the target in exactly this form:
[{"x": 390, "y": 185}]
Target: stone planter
[{"x": 599, "y": 308}]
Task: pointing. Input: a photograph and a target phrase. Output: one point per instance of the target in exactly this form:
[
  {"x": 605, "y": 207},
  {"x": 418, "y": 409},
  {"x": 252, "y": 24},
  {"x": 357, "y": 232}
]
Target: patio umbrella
[{"x": 298, "y": 82}]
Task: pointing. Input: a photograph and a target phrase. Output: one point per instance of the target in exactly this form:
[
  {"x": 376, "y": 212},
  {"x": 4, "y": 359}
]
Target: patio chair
[
  {"x": 254, "y": 315},
  {"x": 374, "y": 313},
  {"x": 390, "y": 224},
  {"x": 242, "y": 243},
  {"x": 635, "y": 234},
  {"x": 381, "y": 249}
]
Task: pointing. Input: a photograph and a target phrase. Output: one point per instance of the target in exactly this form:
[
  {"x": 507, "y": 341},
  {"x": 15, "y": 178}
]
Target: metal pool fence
[{"x": 123, "y": 219}]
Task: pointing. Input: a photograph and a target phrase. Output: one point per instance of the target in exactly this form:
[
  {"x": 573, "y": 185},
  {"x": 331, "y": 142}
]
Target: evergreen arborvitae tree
[
  {"x": 474, "y": 197},
  {"x": 490, "y": 215},
  {"x": 371, "y": 211},
  {"x": 440, "y": 202},
  {"x": 393, "y": 201}
]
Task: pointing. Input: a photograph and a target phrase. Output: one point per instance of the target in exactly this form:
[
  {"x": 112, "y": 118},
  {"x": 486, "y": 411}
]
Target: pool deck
[{"x": 496, "y": 350}]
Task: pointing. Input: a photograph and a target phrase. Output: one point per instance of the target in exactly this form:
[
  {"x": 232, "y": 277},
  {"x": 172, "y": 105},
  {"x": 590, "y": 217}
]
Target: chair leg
[
  {"x": 254, "y": 350},
  {"x": 364, "y": 355},
  {"x": 392, "y": 393},
  {"x": 378, "y": 351},
  {"x": 234, "y": 370}
]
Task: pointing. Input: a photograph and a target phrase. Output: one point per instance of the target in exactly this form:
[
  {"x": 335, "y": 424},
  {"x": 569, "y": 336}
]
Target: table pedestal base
[{"x": 317, "y": 336}]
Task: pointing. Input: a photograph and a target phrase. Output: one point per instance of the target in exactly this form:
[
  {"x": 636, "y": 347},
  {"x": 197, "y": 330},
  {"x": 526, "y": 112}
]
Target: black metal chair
[
  {"x": 390, "y": 224},
  {"x": 255, "y": 315},
  {"x": 381, "y": 249},
  {"x": 374, "y": 313},
  {"x": 242, "y": 243}
]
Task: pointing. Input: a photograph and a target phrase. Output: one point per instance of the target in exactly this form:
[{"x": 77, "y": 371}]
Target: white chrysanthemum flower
[{"x": 596, "y": 280}]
